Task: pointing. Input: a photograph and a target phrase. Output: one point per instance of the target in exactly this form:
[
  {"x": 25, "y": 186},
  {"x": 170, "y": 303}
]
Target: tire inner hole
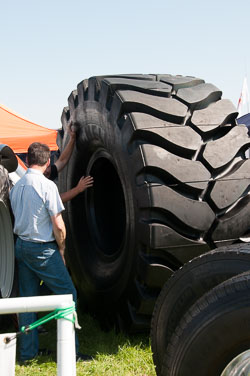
[{"x": 106, "y": 207}]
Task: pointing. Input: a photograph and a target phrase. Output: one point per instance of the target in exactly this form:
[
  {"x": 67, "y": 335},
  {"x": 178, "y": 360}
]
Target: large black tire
[
  {"x": 7, "y": 256},
  {"x": 187, "y": 285},
  {"x": 213, "y": 332},
  {"x": 7, "y": 158},
  {"x": 170, "y": 183}
]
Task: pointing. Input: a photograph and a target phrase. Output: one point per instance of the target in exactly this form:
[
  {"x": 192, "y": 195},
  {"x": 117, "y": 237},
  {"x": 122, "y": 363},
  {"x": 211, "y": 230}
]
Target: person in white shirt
[{"x": 40, "y": 244}]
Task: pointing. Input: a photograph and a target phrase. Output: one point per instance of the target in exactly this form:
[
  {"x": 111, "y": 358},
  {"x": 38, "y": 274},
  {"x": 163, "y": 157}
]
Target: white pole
[
  {"x": 66, "y": 348},
  {"x": 35, "y": 303},
  {"x": 65, "y": 329}
]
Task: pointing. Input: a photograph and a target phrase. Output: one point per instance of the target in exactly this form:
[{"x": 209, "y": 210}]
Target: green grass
[{"x": 115, "y": 354}]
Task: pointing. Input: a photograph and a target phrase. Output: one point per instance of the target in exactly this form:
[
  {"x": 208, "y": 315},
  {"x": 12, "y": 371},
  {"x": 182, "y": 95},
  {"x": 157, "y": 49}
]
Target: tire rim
[
  {"x": 239, "y": 366},
  {"x": 6, "y": 252}
]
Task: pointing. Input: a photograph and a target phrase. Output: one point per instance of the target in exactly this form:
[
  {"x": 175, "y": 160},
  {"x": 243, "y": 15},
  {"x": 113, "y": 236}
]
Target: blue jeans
[{"x": 36, "y": 262}]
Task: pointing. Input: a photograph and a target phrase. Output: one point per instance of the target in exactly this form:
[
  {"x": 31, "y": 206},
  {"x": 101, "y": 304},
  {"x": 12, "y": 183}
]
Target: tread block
[
  {"x": 153, "y": 272},
  {"x": 101, "y": 83},
  {"x": 159, "y": 236},
  {"x": 215, "y": 115},
  {"x": 234, "y": 223},
  {"x": 179, "y": 82},
  {"x": 227, "y": 192},
  {"x": 146, "y": 121},
  {"x": 220, "y": 152},
  {"x": 137, "y": 85},
  {"x": 165, "y": 108},
  {"x": 199, "y": 96},
  {"x": 73, "y": 100},
  {"x": 180, "y": 140},
  {"x": 193, "y": 213},
  {"x": 82, "y": 91},
  {"x": 148, "y": 77},
  {"x": 239, "y": 171},
  {"x": 191, "y": 173},
  {"x": 65, "y": 117}
]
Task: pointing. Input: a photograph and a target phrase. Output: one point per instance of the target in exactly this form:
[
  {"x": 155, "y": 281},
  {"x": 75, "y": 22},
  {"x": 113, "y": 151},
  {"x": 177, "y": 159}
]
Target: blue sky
[{"x": 49, "y": 46}]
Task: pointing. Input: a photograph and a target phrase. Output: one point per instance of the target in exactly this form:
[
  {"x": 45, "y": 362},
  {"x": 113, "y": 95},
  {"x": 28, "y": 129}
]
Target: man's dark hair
[{"x": 38, "y": 154}]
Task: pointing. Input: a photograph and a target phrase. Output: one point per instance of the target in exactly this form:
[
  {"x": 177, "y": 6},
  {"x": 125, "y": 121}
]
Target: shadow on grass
[{"x": 94, "y": 340}]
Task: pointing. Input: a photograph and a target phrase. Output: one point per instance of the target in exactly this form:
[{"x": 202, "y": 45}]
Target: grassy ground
[{"x": 115, "y": 354}]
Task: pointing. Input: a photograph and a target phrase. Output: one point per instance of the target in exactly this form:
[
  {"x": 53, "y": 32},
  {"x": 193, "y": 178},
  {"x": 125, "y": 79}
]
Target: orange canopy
[{"x": 18, "y": 133}]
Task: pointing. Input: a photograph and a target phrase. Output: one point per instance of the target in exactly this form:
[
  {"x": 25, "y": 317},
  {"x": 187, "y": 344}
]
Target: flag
[{"x": 243, "y": 103}]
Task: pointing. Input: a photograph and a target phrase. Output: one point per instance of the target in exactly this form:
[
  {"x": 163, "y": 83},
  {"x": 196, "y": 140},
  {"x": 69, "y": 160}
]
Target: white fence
[{"x": 66, "y": 357}]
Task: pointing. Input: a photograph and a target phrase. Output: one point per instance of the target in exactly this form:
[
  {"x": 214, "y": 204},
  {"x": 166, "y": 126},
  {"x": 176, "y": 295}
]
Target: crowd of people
[{"x": 40, "y": 231}]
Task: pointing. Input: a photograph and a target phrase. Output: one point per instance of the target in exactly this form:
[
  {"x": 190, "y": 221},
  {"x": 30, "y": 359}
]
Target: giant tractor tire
[{"x": 170, "y": 183}]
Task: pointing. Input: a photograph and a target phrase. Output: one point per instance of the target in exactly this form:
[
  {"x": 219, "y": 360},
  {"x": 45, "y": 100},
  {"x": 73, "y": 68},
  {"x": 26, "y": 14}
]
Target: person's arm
[
  {"x": 59, "y": 232},
  {"x": 84, "y": 183},
  {"x": 66, "y": 154}
]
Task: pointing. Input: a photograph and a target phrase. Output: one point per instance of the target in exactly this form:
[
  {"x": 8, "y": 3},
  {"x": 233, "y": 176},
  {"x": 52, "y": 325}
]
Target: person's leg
[
  {"x": 50, "y": 268},
  {"x": 28, "y": 286}
]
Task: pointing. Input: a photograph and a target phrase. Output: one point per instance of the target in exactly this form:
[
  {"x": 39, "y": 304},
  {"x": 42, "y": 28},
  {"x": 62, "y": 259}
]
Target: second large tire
[
  {"x": 187, "y": 285},
  {"x": 7, "y": 256},
  {"x": 212, "y": 333},
  {"x": 170, "y": 183}
]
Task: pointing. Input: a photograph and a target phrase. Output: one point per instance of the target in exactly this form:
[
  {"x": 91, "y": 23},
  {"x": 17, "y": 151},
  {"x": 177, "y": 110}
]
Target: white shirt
[{"x": 34, "y": 199}]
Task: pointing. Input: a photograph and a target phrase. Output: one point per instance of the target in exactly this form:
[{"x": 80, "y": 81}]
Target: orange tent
[{"x": 18, "y": 133}]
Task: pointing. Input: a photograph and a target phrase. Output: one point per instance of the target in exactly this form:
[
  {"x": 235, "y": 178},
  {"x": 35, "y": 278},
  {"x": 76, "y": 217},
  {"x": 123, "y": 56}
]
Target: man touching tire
[{"x": 40, "y": 244}]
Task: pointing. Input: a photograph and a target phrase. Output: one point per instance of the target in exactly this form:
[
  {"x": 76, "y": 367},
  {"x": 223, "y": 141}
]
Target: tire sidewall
[{"x": 99, "y": 138}]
